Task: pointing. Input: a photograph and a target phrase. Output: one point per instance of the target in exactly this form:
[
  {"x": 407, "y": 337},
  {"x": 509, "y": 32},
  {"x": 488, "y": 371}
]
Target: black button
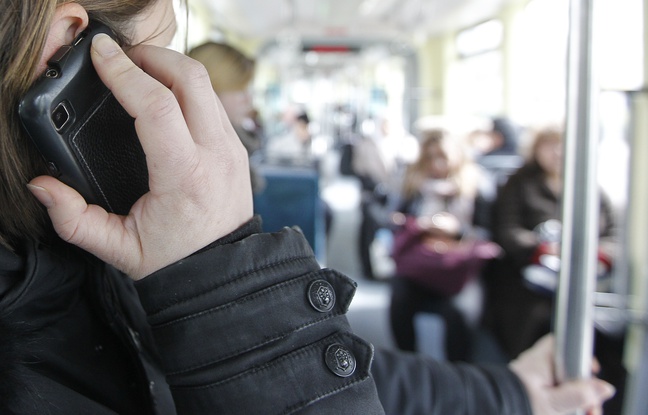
[
  {"x": 340, "y": 360},
  {"x": 53, "y": 169},
  {"x": 321, "y": 295}
]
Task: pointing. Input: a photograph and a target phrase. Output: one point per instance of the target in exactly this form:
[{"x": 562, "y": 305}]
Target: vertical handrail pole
[
  {"x": 574, "y": 302},
  {"x": 636, "y": 400}
]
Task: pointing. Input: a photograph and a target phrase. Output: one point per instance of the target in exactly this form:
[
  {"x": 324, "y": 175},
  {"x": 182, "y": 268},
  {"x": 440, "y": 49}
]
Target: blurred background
[{"x": 341, "y": 96}]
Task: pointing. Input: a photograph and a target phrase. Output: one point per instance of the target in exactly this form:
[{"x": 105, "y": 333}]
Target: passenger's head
[
  {"x": 229, "y": 68},
  {"x": 501, "y": 138},
  {"x": 231, "y": 73},
  {"x": 301, "y": 127},
  {"x": 505, "y": 135},
  {"x": 546, "y": 150},
  {"x": 441, "y": 156},
  {"x": 30, "y": 32}
]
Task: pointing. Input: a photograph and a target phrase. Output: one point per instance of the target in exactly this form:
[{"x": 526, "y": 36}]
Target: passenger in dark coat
[
  {"x": 530, "y": 198},
  {"x": 519, "y": 310}
]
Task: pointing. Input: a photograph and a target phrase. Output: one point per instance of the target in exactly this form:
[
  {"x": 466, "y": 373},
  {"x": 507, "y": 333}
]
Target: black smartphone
[{"x": 87, "y": 138}]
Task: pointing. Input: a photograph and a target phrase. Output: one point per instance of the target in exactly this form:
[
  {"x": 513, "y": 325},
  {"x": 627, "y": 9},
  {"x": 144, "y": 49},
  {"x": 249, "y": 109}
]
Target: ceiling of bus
[{"x": 345, "y": 20}]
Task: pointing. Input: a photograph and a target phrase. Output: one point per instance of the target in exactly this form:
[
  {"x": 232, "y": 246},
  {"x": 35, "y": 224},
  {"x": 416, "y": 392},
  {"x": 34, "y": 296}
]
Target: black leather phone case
[
  {"x": 107, "y": 146},
  {"x": 87, "y": 139}
]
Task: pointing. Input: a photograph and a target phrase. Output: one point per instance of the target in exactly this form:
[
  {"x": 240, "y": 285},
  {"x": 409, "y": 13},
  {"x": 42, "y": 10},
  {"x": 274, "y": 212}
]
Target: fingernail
[
  {"x": 604, "y": 390},
  {"x": 104, "y": 45},
  {"x": 42, "y": 195}
]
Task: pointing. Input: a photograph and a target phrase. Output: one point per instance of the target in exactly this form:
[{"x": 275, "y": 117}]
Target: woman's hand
[
  {"x": 198, "y": 169},
  {"x": 535, "y": 368},
  {"x": 442, "y": 224}
]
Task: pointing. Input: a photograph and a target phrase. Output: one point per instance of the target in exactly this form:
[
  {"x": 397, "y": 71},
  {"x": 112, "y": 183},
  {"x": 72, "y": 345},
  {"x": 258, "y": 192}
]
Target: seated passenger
[
  {"x": 527, "y": 211},
  {"x": 378, "y": 160},
  {"x": 231, "y": 72},
  {"x": 495, "y": 149},
  {"x": 436, "y": 249},
  {"x": 295, "y": 147}
]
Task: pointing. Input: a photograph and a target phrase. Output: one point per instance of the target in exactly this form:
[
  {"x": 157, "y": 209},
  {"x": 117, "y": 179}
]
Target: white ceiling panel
[{"x": 343, "y": 19}]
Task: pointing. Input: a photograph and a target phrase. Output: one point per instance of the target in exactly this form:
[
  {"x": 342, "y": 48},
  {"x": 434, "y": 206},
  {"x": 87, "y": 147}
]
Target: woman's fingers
[
  {"x": 584, "y": 394},
  {"x": 198, "y": 168},
  {"x": 191, "y": 85},
  {"x": 159, "y": 120},
  {"x": 534, "y": 367},
  {"x": 89, "y": 227}
]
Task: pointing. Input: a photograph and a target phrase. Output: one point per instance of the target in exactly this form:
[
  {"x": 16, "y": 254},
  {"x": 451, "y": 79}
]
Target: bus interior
[{"x": 350, "y": 67}]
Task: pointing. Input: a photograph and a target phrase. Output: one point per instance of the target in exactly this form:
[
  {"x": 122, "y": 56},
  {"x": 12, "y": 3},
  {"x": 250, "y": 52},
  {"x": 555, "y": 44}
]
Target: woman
[
  {"x": 441, "y": 180},
  {"x": 165, "y": 310},
  {"x": 529, "y": 199},
  {"x": 231, "y": 72},
  {"x": 527, "y": 215},
  {"x": 437, "y": 251}
]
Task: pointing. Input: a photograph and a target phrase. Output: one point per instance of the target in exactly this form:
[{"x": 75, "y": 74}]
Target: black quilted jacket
[{"x": 248, "y": 325}]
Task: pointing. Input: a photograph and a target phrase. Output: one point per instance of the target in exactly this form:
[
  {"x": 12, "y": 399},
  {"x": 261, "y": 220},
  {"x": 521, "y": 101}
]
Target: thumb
[
  {"x": 89, "y": 227},
  {"x": 580, "y": 394}
]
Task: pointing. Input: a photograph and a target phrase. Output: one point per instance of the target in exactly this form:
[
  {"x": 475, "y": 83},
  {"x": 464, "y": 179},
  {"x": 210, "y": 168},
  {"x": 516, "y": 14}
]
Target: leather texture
[{"x": 107, "y": 146}]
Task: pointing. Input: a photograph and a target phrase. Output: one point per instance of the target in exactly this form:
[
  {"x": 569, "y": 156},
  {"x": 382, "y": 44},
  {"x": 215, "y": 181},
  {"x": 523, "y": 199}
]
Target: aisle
[
  {"x": 368, "y": 313},
  {"x": 369, "y": 310}
]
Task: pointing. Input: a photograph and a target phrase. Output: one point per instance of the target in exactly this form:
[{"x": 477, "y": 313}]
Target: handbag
[{"x": 438, "y": 264}]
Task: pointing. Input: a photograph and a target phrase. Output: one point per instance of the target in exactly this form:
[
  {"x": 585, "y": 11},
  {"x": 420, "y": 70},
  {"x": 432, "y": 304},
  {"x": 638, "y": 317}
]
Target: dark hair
[
  {"x": 509, "y": 133},
  {"x": 303, "y": 117}
]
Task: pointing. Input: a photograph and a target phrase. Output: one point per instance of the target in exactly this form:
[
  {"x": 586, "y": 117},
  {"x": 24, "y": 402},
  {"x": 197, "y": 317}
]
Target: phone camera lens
[
  {"x": 52, "y": 73},
  {"x": 60, "y": 116}
]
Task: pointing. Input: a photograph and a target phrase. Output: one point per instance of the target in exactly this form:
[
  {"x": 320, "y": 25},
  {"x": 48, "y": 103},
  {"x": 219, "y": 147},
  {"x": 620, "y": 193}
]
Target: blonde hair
[
  {"x": 460, "y": 170},
  {"x": 229, "y": 69},
  {"x": 23, "y": 30}
]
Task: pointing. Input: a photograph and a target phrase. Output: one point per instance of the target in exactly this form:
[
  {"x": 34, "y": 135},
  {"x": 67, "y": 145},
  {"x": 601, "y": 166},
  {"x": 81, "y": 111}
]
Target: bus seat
[{"x": 291, "y": 198}]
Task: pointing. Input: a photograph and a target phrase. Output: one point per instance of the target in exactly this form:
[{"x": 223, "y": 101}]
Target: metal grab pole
[
  {"x": 575, "y": 303},
  {"x": 636, "y": 400}
]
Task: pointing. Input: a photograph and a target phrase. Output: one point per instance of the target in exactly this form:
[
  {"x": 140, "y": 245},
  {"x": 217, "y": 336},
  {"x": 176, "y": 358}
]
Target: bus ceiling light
[{"x": 375, "y": 7}]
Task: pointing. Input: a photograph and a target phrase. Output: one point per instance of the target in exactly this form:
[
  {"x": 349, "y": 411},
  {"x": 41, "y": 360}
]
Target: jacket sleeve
[
  {"x": 410, "y": 384},
  {"x": 256, "y": 327}
]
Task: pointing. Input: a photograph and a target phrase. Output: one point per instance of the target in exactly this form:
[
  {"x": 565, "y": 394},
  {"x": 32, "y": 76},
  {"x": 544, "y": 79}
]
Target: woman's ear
[{"x": 69, "y": 20}]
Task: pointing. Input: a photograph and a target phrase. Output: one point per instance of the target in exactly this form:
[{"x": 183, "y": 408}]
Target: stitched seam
[
  {"x": 234, "y": 279},
  {"x": 304, "y": 403},
  {"x": 264, "y": 292},
  {"x": 308, "y": 350},
  {"x": 346, "y": 385},
  {"x": 349, "y": 297},
  {"x": 328, "y": 316},
  {"x": 247, "y": 349},
  {"x": 82, "y": 157},
  {"x": 235, "y": 303}
]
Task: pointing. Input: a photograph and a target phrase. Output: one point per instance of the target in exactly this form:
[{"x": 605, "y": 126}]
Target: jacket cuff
[
  {"x": 233, "y": 319},
  {"x": 248, "y": 228}
]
